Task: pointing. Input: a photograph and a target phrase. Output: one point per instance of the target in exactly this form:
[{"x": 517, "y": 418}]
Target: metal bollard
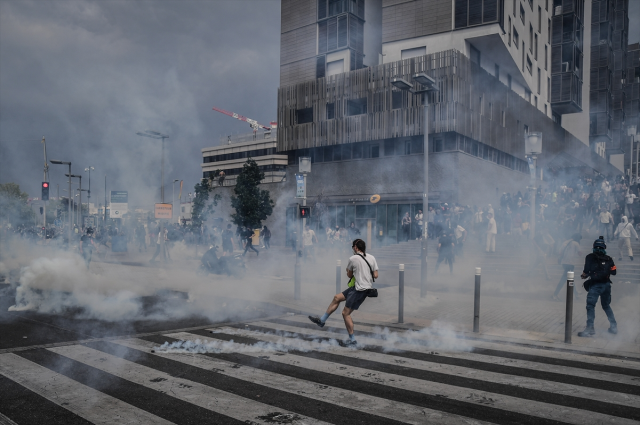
[
  {"x": 476, "y": 302},
  {"x": 338, "y": 277},
  {"x": 401, "y": 294},
  {"x": 568, "y": 320}
]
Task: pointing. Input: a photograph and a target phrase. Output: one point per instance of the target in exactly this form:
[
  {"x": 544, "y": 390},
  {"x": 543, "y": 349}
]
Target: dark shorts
[
  {"x": 227, "y": 246},
  {"x": 354, "y": 298}
]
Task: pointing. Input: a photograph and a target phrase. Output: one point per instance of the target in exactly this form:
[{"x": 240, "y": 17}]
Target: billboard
[{"x": 119, "y": 203}]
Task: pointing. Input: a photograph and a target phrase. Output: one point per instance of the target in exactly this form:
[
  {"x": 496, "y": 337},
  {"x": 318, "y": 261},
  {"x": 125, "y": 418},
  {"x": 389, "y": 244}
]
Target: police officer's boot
[
  {"x": 613, "y": 329},
  {"x": 588, "y": 332}
]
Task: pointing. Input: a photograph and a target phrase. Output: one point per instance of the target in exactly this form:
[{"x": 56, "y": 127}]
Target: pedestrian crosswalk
[{"x": 286, "y": 370}]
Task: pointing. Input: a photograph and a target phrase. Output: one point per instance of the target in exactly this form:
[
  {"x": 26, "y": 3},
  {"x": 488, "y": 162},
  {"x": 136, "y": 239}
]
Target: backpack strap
[{"x": 370, "y": 269}]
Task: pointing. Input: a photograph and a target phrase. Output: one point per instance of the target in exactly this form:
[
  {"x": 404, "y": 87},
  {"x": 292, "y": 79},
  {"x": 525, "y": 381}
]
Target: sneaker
[
  {"x": 613, "y": 329},
  {"x": 587, "y": 332},
  {"x": 350, "y": 343},
  {"x": 317, "y": 321},
  {"x": 631, "y": 258}
]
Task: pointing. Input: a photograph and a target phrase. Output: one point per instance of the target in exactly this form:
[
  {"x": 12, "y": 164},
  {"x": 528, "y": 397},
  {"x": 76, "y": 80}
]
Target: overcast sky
[{"x": 87, "y": 75}]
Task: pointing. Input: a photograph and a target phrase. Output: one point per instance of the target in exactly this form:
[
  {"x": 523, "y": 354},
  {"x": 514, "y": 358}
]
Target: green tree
[
  {"x": 201, "y": 205},
  {"x": 14, "y": 208},
  {"x": 252, "y": 204}
]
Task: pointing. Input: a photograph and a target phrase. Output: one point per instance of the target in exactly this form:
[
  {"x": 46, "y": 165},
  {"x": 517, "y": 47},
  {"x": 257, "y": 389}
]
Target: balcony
[
  {"x": 600, "y": 127},
  {"x": 566, "y": 93}
]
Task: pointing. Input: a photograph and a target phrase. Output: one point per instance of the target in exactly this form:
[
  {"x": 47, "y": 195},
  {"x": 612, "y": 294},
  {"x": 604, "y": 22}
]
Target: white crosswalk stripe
[
  {"x": 85, "y": 402},
  {"x": 513, "y": 404},
  {"x": 193, "y": 392},
  {"x": 287, "y": 375}
]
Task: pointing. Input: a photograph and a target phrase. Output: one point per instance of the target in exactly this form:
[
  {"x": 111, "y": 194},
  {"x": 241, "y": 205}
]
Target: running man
[
  {"x": 364, "y": 268},
  {"x": 86, "y": 246}
]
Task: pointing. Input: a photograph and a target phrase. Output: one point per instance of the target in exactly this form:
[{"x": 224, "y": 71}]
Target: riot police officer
[{"x": 598, "y": 268}]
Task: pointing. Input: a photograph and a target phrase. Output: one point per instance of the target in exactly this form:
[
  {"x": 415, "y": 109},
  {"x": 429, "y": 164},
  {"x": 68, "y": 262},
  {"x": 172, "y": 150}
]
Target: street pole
[
  {"x": 162, "y": 244},
  {"x": 425, "y": 201},
  {"x": 297, "y": 269},
  {"x": 532, "y": 221},
  {"x": 70, "y": 216},
  {"x": 104, "y": 223},
  {"x": 80, "y": 224}
]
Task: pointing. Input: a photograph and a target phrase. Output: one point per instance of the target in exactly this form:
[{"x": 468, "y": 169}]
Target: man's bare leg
[
  {"x": 337, "y": 299},
  {"x": 348, "y": 321}
]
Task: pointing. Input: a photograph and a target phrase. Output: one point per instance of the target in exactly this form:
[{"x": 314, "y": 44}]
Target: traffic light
[
  {"x": 305, "y": 212},
  {"x": 45, "y": 191}
]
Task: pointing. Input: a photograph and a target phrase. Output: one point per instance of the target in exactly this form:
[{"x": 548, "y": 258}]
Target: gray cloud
[{"x": 88, "y": 74}]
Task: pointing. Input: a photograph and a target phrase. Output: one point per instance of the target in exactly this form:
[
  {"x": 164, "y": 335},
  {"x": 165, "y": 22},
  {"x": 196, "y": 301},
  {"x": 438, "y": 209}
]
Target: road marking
[
  {"x": 375, "y": 405},
  {"x": 195, "y": 393},
  {"x": 84, "y": 401}
]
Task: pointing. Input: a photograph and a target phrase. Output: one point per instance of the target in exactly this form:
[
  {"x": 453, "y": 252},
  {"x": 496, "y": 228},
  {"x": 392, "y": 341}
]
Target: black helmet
[{"x": 599, "y": 243}]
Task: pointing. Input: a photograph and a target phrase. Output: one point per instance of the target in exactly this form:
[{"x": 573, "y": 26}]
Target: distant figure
[
  {"x": 308, "y": 239},
  {"x": 221, "y": 177},
  {"x": 141, "y": 237},
  {"x": 227, "y": 240},
  {"x": 406, "y": 226},
  {"x": 86, "y": 246},
  {"x": 248, "y": 237},
  {"x": 445, "y": 251},
  {"x": 266, "y": 237},
  {"x": 419, "y": 220},
  {"x": 624, "y": 231},
  {"x": 492, "y": 230}
]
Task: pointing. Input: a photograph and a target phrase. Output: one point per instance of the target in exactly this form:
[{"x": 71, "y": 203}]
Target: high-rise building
[{"x": 503, "y": 68}]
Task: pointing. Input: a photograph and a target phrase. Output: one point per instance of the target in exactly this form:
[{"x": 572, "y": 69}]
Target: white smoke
[{"x": 53, "y": 285}]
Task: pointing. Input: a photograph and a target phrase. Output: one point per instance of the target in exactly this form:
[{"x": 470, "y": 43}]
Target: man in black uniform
[{"x": 598, "y": 267}]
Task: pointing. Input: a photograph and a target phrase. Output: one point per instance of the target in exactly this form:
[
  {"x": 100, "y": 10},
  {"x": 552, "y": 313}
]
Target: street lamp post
[
  {"x": 304, "y": 167},
  {"x": 532, "y": 148},
  {"x": 157, "y": 135},
  {"x": 89, "y": 169},
  {"x": 54, "y": 161},
  {"x": 429, "y": 85},
  {"x": 173, "y": 197},
  {"x": 79, "y": 214},
  {"x": 632, "y": 131}
]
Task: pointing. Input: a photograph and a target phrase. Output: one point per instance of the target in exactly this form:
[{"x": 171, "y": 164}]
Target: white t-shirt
[
  {"x": 361, "y": 271},
  {"x": 459, "y": 231},
  {"x": 307, "y": 237},
  {"x": 630, "y": 197},
  {"x": 491, "y": 227}
]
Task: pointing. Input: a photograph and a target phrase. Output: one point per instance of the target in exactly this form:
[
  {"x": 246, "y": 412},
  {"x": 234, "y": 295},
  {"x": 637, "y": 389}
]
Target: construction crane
[{"x": 255, "y": 125}]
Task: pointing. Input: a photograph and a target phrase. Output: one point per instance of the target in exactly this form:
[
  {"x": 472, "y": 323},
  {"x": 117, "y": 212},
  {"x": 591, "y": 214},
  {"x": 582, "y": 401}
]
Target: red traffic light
[
  {"x": 45, "y": 184},
  {"x": 305, "y": 212}
]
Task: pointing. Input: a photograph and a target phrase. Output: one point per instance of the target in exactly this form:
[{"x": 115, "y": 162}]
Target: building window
[
  {"x": 475, "y": 54},
  {"x": 539, "y": 19},
  {"x": 546, "y": 5},
  {"x": 527, "y": 95},
  {"x": 539, "y": 80},
  {"x": 357, "y": 106},
  {"x": 304, "y": 115},
  {"x": 531, "y": 38},
  {"x": 331, "y": 110},
  {"x": 396, "y": 99},
  {"x": 545, "y": 110},
  {"x": 480, "y": 106},
  {"x": 339, "y": 32},
  {"x": 407, "y": 147},
  {"x": 516, "y": 38},
  {"x": 526, "y": 129},
  {"x": 548, "y": 89},
  {"x": 475, "y": 12},
  {"x": 531, "y": 4},
  {"x": 504, "y": 119},
  {"x": 535, "y": 46},
  {"x": 535, "y": 101},
  {"x": 374, "y": 151},
  {"x": 335, "y": 67},
  {"x": 522, "y": 14},
  {"x": 320, "y": 66},
  {"x": 529, "y": 65},
  {"x": 546, "y": 57},
  {"x": 497, "y": 71},
  {"x": 509, "y": 81},
  {"x": 514, "y": 8},
  {"x": 414, "y": 52},
  {"x": 490, "y": 106},
  {"x": 549, "y": 31},
  {"x": 509, "y": 29},
  {"x": 556, "y": 118}
]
